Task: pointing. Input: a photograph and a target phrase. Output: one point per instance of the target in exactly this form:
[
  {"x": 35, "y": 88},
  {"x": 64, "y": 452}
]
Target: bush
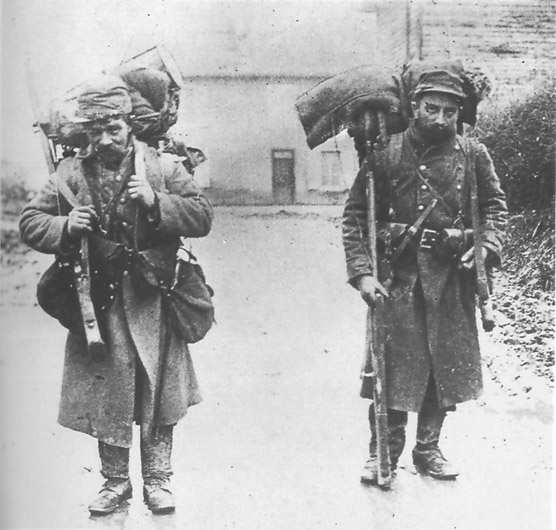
[
  {"x": 529, "y": 250},
  {"x": 14, "y": 190},
  {"x": 520, "y": 138}
]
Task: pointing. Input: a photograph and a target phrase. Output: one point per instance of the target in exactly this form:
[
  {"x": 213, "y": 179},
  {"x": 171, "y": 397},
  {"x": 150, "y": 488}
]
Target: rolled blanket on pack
[
  {"x": 154, "y": 99},
  {"x": 337, "y": 103}
]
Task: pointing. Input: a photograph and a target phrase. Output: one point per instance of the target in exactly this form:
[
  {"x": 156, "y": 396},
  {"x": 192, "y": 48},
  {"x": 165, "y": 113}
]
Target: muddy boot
[
  {"x": 156, "y": 452},
  {"x": 117, "y": 488},
  {"x": 427, "y": 457},
  {"x": 397, "y": 421},
  {"x": 430, "y": 461}
]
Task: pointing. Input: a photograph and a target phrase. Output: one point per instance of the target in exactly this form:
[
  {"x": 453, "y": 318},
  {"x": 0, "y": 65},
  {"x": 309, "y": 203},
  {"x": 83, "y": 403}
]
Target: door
[{"x": 283, "y": 176}]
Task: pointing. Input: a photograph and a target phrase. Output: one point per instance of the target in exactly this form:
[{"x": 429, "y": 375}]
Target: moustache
[
  {"x": 105, "y": 149},
  {"x": 439, "y": 132},
  {"x": 437, "y": 129}
]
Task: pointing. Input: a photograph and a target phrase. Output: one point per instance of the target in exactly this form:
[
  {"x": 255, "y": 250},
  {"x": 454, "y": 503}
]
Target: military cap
[
  {"x": 103, "y": 97},
  {"x": 440, "y": 81}
]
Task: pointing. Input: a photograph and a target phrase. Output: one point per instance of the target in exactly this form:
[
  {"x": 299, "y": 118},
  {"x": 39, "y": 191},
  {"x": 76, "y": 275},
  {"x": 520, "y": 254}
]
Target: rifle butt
[
  {"x": 95, "y": 345},
  {"x": 487, "y": 314},
  {"x": 375, "y": 375}
]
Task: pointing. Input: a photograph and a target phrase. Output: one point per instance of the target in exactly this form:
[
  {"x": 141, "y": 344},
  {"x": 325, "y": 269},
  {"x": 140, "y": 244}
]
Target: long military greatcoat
[
  {"x": 431, "y": 305},
  {"x": 104, "y": 398}
]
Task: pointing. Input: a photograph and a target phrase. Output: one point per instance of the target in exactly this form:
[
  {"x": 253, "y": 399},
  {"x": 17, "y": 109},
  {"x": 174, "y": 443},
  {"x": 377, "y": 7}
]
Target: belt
[{"x": 413, "y": 230}]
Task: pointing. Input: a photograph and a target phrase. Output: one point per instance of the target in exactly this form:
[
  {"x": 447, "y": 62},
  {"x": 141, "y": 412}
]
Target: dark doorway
[{"x": 283, "y": 176}]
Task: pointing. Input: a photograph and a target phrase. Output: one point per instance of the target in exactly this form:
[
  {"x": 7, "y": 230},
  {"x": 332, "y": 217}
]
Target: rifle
[
  {"x": 95, "y": 344},
  {"x": 374, "y": 369},
  {"x": 485, "y": 304}
]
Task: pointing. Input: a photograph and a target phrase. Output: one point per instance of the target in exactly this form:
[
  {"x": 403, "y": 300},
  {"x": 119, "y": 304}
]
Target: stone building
[{"x": 245, "y": 63}]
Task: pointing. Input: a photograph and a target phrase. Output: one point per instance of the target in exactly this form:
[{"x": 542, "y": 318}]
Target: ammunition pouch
[
  {"x": 389, "y": 236},
  {"x": 169, "y": 270},
  {"x": 109, "y": 260},
  {"x": 453, "y": 243},
  {"x": 148, "y": 269},
  {"x": 186, "y": 297},
  {"x": 448, "y": 243}
]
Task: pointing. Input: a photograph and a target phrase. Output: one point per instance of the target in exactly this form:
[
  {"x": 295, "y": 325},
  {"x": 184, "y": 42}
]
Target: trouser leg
[
  {"x": 397, "y": 423},
  {"x": 117, "y": 487},
  {"x": 156, "y": 453},
  {"x": 427, "y": 455},
  {"x": 430, "y": 419},
  {"x": 114, "y": 461}
]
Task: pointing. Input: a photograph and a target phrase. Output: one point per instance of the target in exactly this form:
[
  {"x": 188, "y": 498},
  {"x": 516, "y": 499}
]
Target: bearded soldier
[
  {"x": 147, "y": 376},
  {"x": 432, "y": 352}
]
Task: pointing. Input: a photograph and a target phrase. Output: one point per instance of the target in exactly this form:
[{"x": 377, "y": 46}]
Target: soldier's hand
[
  {"x": 81, "y": 221},
  {"x": 370, "y": 289},
  {"x": 140, "y": 190},
  {"x": 467, "y": 261}
]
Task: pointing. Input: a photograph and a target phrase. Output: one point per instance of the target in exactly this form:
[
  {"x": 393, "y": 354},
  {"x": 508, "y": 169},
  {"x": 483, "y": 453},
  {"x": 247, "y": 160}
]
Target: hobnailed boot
[
  {"x": 397, "y": 421},
  {"x": 117, "y": 487},
  {"x": 156, "y": 452},
  {"x": 427, "y": 457},
  {"x": 113, "y": 492},
  {"x": 430, "y": 461}
]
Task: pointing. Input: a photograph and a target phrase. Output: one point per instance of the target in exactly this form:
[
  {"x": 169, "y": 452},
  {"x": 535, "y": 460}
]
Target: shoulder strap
[
  {"x": 64, "y": 190},
  {"x": 390, "y": 157}
]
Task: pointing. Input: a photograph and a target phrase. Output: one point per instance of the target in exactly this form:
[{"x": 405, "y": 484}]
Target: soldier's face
[
  {"x": 436, "y": 116},
  {"x": 110, "y": 139}
]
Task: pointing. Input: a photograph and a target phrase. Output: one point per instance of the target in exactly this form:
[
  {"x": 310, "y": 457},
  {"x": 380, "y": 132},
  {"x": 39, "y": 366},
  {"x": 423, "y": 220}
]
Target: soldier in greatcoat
[
  {"x": 147, "y": 376},
  {"x": 432, "y": 350}
]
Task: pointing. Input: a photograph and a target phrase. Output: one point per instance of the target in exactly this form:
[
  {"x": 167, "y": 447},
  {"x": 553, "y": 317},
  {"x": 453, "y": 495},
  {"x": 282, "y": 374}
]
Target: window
[{"x": 331, "y": 170}]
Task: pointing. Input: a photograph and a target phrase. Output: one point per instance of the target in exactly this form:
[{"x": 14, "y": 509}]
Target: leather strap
[
  {"x": 412, "y": 230},
  {"x": 64, "y": 190}
]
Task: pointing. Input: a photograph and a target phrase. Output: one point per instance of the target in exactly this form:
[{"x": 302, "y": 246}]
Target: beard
[
  {"x": 112, "y": 155},
  {"x": 433, "y": 133},
  {"x": 438, "y": 134}
]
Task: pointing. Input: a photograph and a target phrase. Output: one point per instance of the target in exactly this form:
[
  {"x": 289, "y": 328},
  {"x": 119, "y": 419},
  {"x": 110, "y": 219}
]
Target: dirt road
[{"x": 279, "y": 441}]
